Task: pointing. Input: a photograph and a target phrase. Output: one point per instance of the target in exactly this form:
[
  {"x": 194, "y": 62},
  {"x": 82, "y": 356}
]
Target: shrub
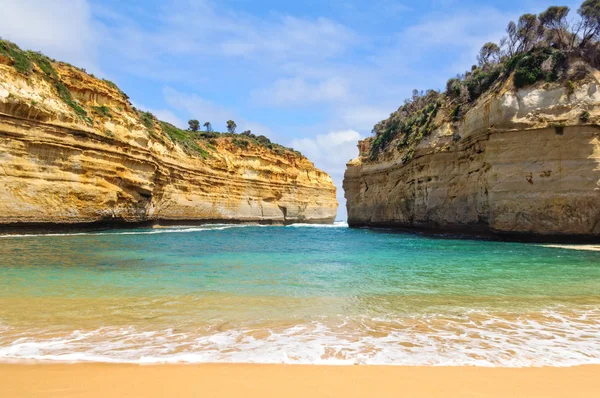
[
  {"x": 570, "y": 86},
  {"x": 584, "y": 116},
  {"x": 240, "y": 143},
  {"x": 102, "y": 110},
  {"x": 528, "y": 67},
  {"x": 21, "y": 62},
  {"x": 209, "y": 134},
  {"x": 525, "y": 77},
  {"x": 44, "y": 63},
  {"x": 263, "y": 140},
  {"x": 147, "y": 119}
]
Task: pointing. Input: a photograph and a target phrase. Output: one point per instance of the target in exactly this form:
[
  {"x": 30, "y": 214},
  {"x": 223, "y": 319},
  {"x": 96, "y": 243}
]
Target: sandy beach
[{"x": 246, "y": 380}]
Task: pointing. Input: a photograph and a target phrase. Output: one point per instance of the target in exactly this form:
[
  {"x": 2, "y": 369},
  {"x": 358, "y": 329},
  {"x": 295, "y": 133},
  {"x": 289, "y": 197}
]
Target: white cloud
[
  {"x": 289, "y": 37},
  {"x": 364, "y": 117},
  {"x": 61, "y": 29},
  {"x": 298, "y": 91},
  {"x": 330, "y": 151},
  {"x": 204, "y": 30}
]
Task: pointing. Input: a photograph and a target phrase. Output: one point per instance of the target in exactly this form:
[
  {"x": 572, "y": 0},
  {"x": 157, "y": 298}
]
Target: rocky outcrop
[
  {"x": 520, "y": 163},
  {"x": 59, "y": 165}
]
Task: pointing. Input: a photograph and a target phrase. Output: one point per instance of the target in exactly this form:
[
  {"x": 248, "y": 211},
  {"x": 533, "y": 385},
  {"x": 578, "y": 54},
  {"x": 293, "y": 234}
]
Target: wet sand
[{"x": 254, "y": 381}]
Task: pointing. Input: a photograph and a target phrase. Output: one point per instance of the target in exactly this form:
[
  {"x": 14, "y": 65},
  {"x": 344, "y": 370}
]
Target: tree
[
  {"x": 194, "y": 125},
  {"x": 527, "y": 32},
  {"x": 590, "y": 21},
  {"x": 509, "y": 42},
  {"x": 231, "y": 126},
  {"x": 555, "y": 20},
  {"x": 489, "y": 52},
  {"x": 208, "y": 127}
]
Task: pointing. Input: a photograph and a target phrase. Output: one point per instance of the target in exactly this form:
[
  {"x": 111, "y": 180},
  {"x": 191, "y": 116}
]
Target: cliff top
[
  {"x": 35, "y": 87},
  {"x": 539, "y": 50}
]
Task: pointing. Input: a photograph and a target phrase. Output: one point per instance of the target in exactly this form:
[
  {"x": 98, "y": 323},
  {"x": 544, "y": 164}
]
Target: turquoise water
[{"x": 296, "y": 294}]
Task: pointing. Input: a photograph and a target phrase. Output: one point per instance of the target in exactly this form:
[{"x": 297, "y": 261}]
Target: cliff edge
[{"x": 74, "y": 150}]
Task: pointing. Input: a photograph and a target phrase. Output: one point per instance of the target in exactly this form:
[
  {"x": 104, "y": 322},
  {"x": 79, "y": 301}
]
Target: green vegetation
[
  {"x": 584, "y": 116},
  {"x": 535, "y": 48},
  {"x": 103, "y": 111},
  {"x": 147, "y": 119},
  {"x": 194, "y": 125},
  {"x": 240, "y": 142},
  {"x": 231, "y": 126},
  {"x": 185, "y": 139},
  {"x": 410, "y": 123},
  {"x": 65, "y": 95},
  {"x": 23, "y": 63},
  {"x": 113, "y": 85},
  {"x": 190, "y": 140}
]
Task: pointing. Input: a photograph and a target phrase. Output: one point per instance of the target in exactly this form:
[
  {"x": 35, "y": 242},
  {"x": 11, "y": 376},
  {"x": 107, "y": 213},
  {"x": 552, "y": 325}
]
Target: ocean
[{"x": 297, "y": 294}]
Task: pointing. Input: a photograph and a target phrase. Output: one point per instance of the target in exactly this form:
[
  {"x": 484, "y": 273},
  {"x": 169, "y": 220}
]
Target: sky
[{"x": 315, "y": 75}]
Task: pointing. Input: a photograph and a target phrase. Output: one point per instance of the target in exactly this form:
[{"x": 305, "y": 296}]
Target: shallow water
[{"x": 296, "y": 294}]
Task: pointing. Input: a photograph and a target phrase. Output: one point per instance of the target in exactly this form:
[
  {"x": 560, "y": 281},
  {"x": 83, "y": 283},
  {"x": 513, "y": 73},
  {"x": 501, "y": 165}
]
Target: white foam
[
  {"x": 173, "y": 230},
  {"x": 552, "y": 339},
  {"x": 337, "y": 224},
  {"x": 176, "y": 230}
]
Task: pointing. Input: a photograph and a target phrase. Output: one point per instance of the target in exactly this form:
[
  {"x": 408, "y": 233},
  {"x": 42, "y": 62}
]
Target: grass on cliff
[
  {"x": 187, "y": 140},
  {"x": 24, "y": 61},
  {"x": 245, "y": 139},
  {"x": 537, "y": 48}
]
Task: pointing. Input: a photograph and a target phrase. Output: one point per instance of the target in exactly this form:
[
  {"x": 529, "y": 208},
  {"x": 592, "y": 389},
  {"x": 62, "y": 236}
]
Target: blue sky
[{"x": 314, "y": 75}]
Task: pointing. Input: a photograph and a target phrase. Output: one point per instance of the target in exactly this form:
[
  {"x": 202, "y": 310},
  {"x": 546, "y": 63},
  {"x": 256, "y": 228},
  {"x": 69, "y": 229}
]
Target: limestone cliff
[
  {"x": 85, "y": 155},
  {"x": 518, "y": 162}
]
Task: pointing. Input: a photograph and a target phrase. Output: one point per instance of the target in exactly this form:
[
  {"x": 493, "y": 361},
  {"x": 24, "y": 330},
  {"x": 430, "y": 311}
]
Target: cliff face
[
  {"x": 520, "y": 162},
  {"x": 94, "y": 159}
]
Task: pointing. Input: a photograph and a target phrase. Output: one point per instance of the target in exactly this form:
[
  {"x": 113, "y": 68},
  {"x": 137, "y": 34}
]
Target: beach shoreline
[{"x": 92, "y": 380}]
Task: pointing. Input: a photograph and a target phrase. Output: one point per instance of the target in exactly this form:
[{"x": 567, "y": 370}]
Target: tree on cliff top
[
  {"x": 194, "y": 125},
  {"x": 590, "y": 21},
  {"x": 231, "y": 126},
  {"x": 536, "y": 48},
  {"x": 490, "y": 52},
  {"x": 554, "y": 19},
  {"x": 208, "y": 127}
]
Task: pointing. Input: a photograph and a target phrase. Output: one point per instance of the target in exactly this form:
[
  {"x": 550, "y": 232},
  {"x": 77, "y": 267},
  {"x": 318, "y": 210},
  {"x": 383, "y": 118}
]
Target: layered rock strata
[
  {"x": 520, "y": 163},
  {"x": 59, "y": 167}
]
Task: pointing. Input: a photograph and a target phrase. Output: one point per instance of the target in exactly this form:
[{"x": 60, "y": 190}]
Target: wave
[
  {"x": 337, "y": 224},
  {"x": 548, "y": 339},
  {"x": 169, "y": 230}
]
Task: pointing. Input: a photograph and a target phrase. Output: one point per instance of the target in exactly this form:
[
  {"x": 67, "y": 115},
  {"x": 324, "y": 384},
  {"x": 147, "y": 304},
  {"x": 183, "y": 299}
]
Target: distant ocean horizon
[{"x": 306, "y": 294}]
